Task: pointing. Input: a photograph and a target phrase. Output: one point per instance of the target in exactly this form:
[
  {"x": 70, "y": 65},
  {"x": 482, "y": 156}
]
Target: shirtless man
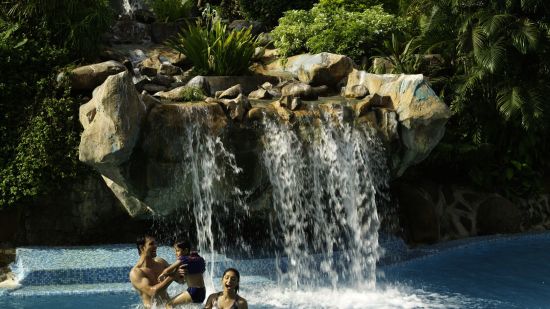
[{"x": 144, "y": 275}]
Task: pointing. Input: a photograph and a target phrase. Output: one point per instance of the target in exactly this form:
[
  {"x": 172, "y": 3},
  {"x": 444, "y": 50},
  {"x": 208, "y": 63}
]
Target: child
[{"x": 194, "y": 267}]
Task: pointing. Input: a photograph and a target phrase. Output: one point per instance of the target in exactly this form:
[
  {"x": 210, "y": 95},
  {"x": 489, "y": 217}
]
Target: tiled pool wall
[
  {"x": 76, "y": 276},
  {"x": 110, "y": 264}
]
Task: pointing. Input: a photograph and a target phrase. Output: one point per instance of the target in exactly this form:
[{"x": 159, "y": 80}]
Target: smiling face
[
  {"x": 230, "y": 281},
  {"x": 149, "y": 248}
]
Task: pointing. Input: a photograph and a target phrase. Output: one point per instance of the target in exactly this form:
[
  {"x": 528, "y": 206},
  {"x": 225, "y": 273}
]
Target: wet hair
[
  {"x": 140, "y": 241},
  {"x": 236, "y": 273}
]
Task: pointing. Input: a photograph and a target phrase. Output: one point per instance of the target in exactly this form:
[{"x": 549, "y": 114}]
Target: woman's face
[{"x": 230, "y": 281}]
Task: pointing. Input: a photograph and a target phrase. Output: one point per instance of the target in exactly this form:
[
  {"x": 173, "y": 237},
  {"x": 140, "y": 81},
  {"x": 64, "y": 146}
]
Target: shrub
[
  {"x": 360, "y": 5},
  {"x": 214, "y": 50},
  {"x": 336, "y": 30},
  {"x": 39, "y": 130},
  {"x": 75, "y": 25},
  {"x": 171, "y": 10},
  {"x": 189, "y": 94},
  {"x": 291, "y": 35},
  {"x": 269, "y": 11},
  {"x": 46, "y": 154}
]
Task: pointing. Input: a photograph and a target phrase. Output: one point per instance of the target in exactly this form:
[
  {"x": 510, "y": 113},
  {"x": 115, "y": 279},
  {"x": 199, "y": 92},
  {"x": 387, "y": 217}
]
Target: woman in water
[{"x": 228, "y": 299}]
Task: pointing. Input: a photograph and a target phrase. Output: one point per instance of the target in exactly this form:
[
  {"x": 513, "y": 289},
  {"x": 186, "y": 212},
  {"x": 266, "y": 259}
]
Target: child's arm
[
  {"x": 172, "y": 268},
  {"x": 168, "y": 271}
]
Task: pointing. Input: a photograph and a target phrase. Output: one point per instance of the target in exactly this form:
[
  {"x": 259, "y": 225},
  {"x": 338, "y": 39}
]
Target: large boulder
[
  {"x": 112, "y": 121},
  {"x": 248, "y": 83},
  {"x": 361, "y": 83},
  {"x": 298, "y": 90},
  {"x": 90, "y": 76},
  {"x": 422, "y": 115},
  {"x": 356, "y": 85},
  {"x": 319, "y": 69}
]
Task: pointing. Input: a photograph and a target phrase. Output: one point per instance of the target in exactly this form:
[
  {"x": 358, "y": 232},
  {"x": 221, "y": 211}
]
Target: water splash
[{"x": 325, "y": 184}]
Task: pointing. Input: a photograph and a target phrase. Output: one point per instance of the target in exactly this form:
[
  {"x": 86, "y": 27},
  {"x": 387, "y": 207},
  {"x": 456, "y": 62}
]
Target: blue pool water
[{"x": 496, "y": 272}]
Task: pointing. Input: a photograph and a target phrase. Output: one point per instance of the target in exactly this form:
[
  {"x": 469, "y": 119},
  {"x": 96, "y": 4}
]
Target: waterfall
[
  {"x": 325, "y": 181},
  {"x": 202, "y": 190},
  {"x": 129, "y": 6},
  {"x": 204, "y": 154}
]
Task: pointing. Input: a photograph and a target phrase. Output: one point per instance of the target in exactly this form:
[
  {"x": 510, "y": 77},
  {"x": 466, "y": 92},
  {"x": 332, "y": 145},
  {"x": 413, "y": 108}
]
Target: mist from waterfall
[{"x": 326, "y": 178}]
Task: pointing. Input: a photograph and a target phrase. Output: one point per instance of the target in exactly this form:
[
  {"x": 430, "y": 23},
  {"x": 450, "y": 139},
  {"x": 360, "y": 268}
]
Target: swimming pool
[{"x": 491, "y": 272}]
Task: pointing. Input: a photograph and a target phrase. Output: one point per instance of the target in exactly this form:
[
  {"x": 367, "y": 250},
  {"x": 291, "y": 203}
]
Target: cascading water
[
  {"x": 129, "y": 6},
  {"x": 201, "y": 182},
  {"x": 326, "y": 176},
  {"x": 325, "y": 188}
]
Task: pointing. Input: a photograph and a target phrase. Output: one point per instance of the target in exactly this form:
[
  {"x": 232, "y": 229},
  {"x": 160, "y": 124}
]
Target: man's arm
[{"x": 142, "y": 283}]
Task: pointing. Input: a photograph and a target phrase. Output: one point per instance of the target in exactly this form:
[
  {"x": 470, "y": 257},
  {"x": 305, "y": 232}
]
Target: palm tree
[{"x": 498, "y": 65}]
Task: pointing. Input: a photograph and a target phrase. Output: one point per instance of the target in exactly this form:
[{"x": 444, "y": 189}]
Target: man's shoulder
[
  {"x": 136, "y": 270},
  {"x": 136, "y": 273}
]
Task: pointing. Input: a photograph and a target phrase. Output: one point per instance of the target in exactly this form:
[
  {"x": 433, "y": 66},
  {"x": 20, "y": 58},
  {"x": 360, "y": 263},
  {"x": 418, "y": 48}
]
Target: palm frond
[
  {"x": 496, "y": 23},
  {"x": 510, "y": 101},
  {"x": 491, "y": 57},
  {"x": 525, "y": 35}
]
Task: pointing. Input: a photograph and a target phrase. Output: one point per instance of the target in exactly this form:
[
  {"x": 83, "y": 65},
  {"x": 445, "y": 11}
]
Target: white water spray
[
  {"x": 202, "y": 189},
  {"x": 129, "y": 6},
  {"x": 324, "y": 192}
]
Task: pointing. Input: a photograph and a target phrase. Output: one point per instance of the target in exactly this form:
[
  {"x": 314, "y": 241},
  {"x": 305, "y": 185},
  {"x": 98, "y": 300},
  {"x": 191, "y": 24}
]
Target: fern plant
[{"x": 214, "y": 50}]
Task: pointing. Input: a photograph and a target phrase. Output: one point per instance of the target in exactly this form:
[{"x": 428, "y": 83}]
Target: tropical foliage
[
  {"x": 75, "y": 25},
  {"x": 336, "y": 29},
  {"x": 397, "y": 57},
  {"x": 492, "y": 69},
  {"x": 215, "y": 50},
  {"x": 39, "y": 130},
  {"x": 360, "y": 5},
  {"x": 497, "y": 65}
]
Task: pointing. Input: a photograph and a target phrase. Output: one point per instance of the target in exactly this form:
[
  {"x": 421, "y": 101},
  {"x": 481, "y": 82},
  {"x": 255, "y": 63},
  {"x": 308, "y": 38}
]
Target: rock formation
[{"x": 142, "y": 146}]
